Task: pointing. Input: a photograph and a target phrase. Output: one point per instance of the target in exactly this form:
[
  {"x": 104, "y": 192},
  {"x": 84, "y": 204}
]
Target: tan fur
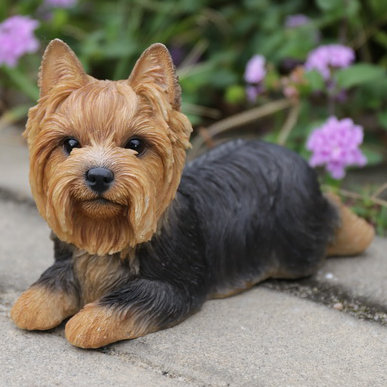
[
  {"x": 354, "y": 234},
  {"x": 95, "y": 326},
  {"x": 234, "y": 291},
  {"x": 39, "y": 308},
  {"x": 73, "y": 104},
  {"x": 59, "y": 65},
  {"x": 97, "y": 275}
]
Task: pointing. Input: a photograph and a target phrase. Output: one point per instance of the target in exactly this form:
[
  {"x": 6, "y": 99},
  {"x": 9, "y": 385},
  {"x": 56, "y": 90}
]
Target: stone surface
[
  {"x": 267, "y": 338},
  {"x": 364, "y": 276},
  {"x": 14, "y": 162},
  {"x": 46, "y": 359},
  {"x": 25, "y": 247}
]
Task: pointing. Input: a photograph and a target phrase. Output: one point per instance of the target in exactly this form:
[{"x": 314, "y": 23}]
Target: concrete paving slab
[
  {"x": 264, "y": 338},
  {"x": 46, "y": 359},
  {"x": 14, "y": 162},
  {"x": 25, "y": 247},
  {"x": 364, "y": 276},
  {"x": 355, "y": 285},
  {"x": 259, "y": 338}
]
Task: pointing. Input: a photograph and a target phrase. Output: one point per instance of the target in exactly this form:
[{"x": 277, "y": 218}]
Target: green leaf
[
  {"x": 315, "y": 80},
  {"x": 374, "y": 156},
  {"x": 328, "y": 5},
  {"x": 22, "y": 82},
  {"x": 339, "y": 7},
  {"x": 382, "y": 118},
  {"x": 358, "y": 74},
  {"x": 60, "y": 18},
  {"x": 223, "y": 78},
  {"x": 272, "y": 80},
  {"x": 379, "y": 7},
  {"x": 381, "y": 38},
  {"x": 235, "y": 94}
]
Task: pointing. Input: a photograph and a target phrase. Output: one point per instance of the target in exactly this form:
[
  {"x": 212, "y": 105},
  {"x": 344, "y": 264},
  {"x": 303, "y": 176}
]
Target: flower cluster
[
  {"x": 324, "y": 58},
  {"x": 254, "y": 74},
  {"x": 17, "y": 38},
  {"x": 336, "y": 145}
]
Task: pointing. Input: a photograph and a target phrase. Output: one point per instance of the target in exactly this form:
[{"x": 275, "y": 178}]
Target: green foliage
[
  {"x": 315, "y": 80},
  {"x": 364, "y": 204},
  {"x": 382, "y": 117},
  {"x": 358, "y": 74},
  {"x": 235, "y": 94},
  {"x": 374, "y": 155},
  {"x": 216, "y": 38}
]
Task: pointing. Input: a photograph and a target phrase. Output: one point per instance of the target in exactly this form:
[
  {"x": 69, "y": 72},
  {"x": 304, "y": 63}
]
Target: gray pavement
[
  {"x": 328, "y": 330},
  {"x": 14, "y": 162},
  {"x": 45, "y": 359}
]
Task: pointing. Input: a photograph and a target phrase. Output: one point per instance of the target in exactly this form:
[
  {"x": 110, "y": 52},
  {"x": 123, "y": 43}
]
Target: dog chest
[{"x": 98, "y": 275}]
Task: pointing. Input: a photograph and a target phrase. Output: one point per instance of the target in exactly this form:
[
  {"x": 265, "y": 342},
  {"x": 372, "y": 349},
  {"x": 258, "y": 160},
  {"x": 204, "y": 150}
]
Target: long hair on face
[{"x": 102, "y": 115}]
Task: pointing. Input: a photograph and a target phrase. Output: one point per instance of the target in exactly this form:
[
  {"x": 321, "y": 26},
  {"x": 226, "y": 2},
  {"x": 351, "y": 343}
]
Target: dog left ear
[
  {"x": 60, "y": 65},
  {"x": 155, "y": 66}
]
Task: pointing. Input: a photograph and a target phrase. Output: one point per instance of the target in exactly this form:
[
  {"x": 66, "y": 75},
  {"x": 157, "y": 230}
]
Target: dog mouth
[
  {"x": 100, "y": 207},
  {"x": 101, "y": 201}
]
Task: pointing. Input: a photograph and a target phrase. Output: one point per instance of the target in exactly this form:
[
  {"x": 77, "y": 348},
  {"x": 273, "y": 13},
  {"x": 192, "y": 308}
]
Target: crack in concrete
[
  {"x": 146, "y": 364},
  {"x": 334, "y": 297}
]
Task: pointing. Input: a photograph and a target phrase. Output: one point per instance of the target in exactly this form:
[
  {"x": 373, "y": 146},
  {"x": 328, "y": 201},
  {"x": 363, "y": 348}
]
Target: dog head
[{"x": 106, "y": 156}]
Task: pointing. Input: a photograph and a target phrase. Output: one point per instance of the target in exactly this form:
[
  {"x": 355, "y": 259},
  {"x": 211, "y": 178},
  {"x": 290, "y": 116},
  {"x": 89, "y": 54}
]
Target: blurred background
[{"x": 309, "y": 75}]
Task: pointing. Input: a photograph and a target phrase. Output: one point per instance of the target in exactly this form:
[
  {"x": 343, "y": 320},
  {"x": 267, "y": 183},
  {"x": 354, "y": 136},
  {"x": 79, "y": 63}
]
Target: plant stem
[
  {"x": 355, "y": 195},
  {"x": 380, "y": 190},
  {"x": 239, "y": 120},
  {"x": 289, "y": 124}
]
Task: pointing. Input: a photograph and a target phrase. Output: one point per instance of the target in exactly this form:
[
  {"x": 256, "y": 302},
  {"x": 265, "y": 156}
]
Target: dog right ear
[
  {"x": 155, "y": 66},
  {"x": 60, "y": 66}
]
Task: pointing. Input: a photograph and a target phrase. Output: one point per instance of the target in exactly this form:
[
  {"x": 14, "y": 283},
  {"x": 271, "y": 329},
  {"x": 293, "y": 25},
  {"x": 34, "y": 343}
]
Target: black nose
[{"x": 99, "y": 179}]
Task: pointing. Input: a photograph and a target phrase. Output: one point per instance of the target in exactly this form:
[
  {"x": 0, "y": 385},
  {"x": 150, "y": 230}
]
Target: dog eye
[
  {"x": 136, "y": 144},
  {"x": 69, "y": 144}
]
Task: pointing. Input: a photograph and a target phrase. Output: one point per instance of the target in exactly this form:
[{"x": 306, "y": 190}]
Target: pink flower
[
  {"x": 17, "y": 39},
  {"x": 252, "y": 92},
  {"x": 254, "y": 74},
  {"x": 293, "y": 21},
  {"x": 336, "y": 145},
  {"x": 255, "y": 69},
  {"x": 324, "y": 58},
  {"x": 60, "y": 3}
]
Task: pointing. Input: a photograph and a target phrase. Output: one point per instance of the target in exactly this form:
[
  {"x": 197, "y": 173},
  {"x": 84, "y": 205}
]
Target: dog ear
[
  {"x": 155, "y": 66},
  {"x": 60, "y": 65}
]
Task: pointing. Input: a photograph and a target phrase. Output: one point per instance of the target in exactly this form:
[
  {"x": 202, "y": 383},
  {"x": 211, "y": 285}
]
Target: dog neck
[
  {"x": 98, "y": 275},
  {"x": 95, "y": 274}
]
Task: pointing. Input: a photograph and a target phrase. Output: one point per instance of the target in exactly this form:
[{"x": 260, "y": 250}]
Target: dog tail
[{"x": 353, "y": 235}]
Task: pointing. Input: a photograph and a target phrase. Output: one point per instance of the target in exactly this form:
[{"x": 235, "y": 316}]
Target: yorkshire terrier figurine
[{"x": 140, "y": 244}]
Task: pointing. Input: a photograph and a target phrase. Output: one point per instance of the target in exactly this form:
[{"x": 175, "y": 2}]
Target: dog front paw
[
  {"x": 95, "y": 326},
  {"x": 39, "y": 308}
]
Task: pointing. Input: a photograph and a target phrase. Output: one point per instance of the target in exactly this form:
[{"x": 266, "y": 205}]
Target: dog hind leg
[{"x": 354, "y": 234}]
